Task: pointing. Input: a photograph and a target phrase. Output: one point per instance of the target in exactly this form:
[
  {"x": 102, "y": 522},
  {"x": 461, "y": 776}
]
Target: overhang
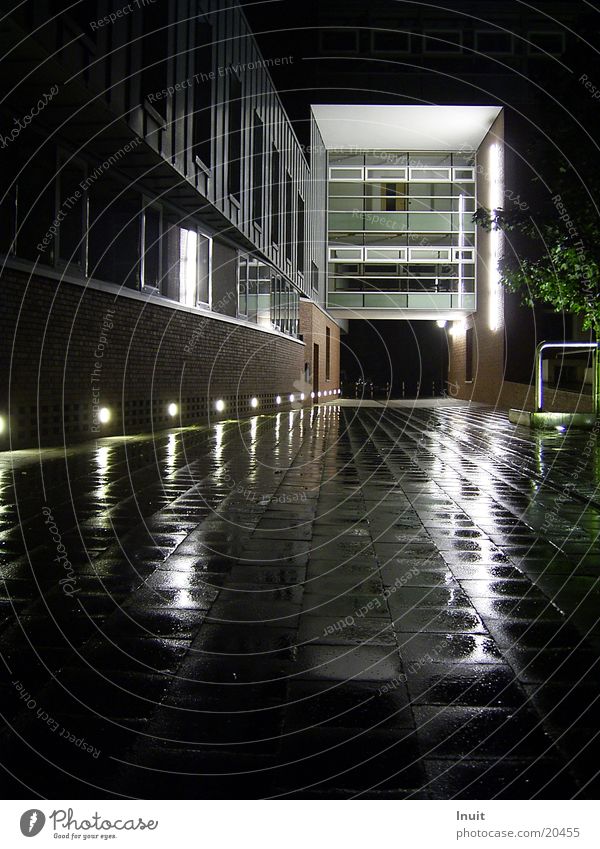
[{"x": 389, "y": 127}]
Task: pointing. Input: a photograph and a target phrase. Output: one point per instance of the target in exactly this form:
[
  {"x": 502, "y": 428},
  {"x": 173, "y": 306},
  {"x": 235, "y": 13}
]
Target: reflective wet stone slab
[
  {"x": 480, "y": 685},
  {"x": 481, "y": 732},
  {"x": 436, "y": 621},
  {"x": 386, "y": 619},
  {"x": 343, "y": 663},
  {"x": 418, "y": 648},
  {"x": 346, "y": 630},
  {"x": 347, "y": 704},
  {"x": 493, "y": 779}
]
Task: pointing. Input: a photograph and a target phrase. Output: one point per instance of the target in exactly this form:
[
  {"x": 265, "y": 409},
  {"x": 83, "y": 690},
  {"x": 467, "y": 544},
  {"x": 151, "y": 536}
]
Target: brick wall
[
  {"x": 66, "y": 348},
  {"x": 520, "y": 396},
  {"x": 314, "y": 323}
]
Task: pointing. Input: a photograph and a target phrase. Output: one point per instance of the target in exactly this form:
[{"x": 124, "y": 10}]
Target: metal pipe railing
[{"x": 539, "y": 385}]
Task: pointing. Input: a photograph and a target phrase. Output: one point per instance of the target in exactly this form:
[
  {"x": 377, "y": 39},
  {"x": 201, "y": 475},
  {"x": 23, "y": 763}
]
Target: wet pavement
[{"x": 341, "y": 602}]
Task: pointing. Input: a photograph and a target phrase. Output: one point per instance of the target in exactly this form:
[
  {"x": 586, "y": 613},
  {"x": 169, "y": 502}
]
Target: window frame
[{"x": 150, "y": 203}]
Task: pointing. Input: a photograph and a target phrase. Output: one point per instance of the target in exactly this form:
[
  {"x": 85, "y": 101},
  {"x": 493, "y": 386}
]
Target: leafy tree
[{"x": 566, "y": 271}]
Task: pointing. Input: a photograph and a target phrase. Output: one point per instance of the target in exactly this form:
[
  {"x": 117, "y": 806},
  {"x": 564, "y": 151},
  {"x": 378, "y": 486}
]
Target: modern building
[
  {"x": 171, "y": 251},
  {"x": 467, "y": 53},
  {"x": 161, "y": 259}
]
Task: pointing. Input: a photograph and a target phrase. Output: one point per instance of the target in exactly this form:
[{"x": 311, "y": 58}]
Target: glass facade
[
  {"x": 265, "y": 297},
  {"x": 400, "y": 230}
]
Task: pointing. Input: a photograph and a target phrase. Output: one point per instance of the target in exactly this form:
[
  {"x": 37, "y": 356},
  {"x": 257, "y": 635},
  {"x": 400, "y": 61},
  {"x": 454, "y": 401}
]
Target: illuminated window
[
  {"x": 194, "y": 268},
  {"x": 188, "y": 267}
]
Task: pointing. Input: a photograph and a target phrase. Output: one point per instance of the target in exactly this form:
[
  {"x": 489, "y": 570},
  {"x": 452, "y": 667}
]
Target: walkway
[{"x": 349, "y": 601}]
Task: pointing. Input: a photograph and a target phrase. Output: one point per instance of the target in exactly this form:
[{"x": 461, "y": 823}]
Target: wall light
[
  {"x": 458, "y": 327},
  {"x": 254, "y": 403},
  {"x": 441, "y": 322},
  {"x": 278, "y": 399},
  {"x": 319, "y": 393},
  {"x": 172, "y": 409},
  {"x": 220, "y": 406},
  {"x": 302, "y": 396},
  {"x": 103, "y": 415},
  {"x": 291, "y": 399},
  {"x": 312, "y": 394},
  {"x": 2, "y": 424}
]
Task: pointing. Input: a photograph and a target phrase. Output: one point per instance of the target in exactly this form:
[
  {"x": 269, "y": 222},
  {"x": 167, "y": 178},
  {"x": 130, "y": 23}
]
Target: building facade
[{"x": 158, "y": 223}]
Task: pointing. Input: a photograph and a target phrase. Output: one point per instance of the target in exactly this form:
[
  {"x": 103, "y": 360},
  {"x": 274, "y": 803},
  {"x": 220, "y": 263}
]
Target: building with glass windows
[
  {"x": 171, "y": 252},
  {"x": 158, "y": 224},
  {"x": 401, "y": 239}
]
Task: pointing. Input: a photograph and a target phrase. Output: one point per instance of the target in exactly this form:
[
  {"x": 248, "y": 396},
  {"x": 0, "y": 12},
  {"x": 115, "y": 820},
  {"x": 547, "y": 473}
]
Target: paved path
[{"x": 349, "y": 601}]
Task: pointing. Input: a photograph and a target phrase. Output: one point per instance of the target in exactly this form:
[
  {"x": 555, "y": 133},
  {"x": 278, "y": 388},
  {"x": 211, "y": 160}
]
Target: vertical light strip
[
  {"x": 461, "y": 244},
  {"x": 495, "y": 199}
]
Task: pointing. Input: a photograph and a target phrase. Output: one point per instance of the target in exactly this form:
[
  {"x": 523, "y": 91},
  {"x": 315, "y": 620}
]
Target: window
[
  {"x": 540, "y": 43},
  {"x": 194, "y": 271},
  {"x": 151, "y": 246},
  {"x": 275, "y": 190},
  {"x": 188, "y": 267},
  {"x": 204, "y": 251},
  {"x": 234, "y": 153},
  {"x": 390, "y": 42},
  {"x": 339, "y": 41},
  {"x": 30, "y": 206},
  {"x": 300, "y": 234},
  {"x": 493, "y": 42},
  {"x": 243, "y": 287},
  {"x": 327, "y": 353},
  {"x": 72, "y": 204},
  {"x": 443, "y": 41},
  {"x": 155, "y": 53},
  {"x": 114, "y": 234},
  {"x": 257, "y": 168},
  {"x": 314, "y": 280},
  {"x": 288, "y": 216},
  {"x": 8, "y": 211},
  {"x": 203, "y": 87}
]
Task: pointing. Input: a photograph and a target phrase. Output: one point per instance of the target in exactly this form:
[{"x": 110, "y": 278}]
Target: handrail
[{"x": 539, "y": 387}]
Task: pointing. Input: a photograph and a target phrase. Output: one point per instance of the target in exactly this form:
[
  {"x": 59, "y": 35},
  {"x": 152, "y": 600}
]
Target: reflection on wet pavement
[{"x": 333, "y": 603}]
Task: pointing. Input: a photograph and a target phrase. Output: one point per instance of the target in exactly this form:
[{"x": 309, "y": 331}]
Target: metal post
[
  {"x": 539, "y": 384},
  {"x": 596, "y": 383}
]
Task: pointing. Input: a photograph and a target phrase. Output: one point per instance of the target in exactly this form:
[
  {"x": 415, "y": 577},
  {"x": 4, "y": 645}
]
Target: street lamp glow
[
  {"x": 220, "y": 406},
  {"x": 254, "y": 403},
  {"x": 172, "y": 409},
  {"x": 104, "y": 415}
]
